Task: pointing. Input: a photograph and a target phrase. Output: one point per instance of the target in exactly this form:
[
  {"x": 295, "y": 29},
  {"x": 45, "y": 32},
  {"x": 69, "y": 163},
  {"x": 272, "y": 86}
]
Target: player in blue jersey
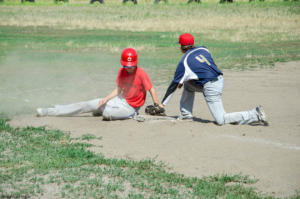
[{"x": 197, "y": 72}]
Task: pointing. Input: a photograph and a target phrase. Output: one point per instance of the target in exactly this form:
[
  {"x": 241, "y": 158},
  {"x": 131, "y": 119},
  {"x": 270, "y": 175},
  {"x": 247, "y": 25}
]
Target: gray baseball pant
[
  {"x": 212, "y": 92},
  {"x": 115, "y": 109}
]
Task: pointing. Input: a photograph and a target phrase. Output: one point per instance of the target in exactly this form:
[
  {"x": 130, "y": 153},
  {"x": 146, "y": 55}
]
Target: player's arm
[
  {"x": 148, "y": 87},
  {"x": 117, "y": 91},
  {"x": 154, "y": 95},
  {"x": 156, "y": 109},
  {"x": 170, "y": 91},
  {"x": 176, "y": 83}
]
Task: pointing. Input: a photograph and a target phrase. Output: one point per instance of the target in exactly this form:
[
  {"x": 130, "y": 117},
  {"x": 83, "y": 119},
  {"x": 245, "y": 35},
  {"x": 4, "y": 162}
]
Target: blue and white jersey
[{"x": 196, "y": 64}]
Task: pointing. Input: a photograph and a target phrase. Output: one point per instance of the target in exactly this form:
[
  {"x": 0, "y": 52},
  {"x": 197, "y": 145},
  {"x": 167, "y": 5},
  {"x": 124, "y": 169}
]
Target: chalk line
[{"x": 263, "y": 141}]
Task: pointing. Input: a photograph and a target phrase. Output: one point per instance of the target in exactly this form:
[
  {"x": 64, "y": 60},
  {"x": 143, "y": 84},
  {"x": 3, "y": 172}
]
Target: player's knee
[
  {"x": 114, "y": 116},
  {"x": 220, "y": 121},
  {"x": 107, "y": 116}
]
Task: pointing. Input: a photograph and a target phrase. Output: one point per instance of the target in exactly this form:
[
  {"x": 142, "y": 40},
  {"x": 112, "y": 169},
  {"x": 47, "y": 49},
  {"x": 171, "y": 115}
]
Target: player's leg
[
  {"x": 118, "y": 109},
  {"x": 216, "y": 108},
  {"x": 213, "y": 96},
  {"x": 70, "y": 109},
  {"x": 187, "y": 101},
  {"x": 243, "y": 117}
]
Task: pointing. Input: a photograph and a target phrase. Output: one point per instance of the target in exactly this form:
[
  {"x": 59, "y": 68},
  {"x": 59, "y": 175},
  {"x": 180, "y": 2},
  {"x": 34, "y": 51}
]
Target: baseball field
[{"x": 70, "y": 52}]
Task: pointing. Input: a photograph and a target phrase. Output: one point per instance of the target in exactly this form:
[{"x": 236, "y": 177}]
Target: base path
[{"x": 201, "y": 148}]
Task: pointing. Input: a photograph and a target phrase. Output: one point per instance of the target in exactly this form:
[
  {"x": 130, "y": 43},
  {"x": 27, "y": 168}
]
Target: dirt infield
[{"x": 201, "y": 148}]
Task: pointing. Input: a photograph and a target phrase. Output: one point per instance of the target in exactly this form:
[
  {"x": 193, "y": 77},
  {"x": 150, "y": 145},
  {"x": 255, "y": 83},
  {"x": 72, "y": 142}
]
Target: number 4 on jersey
[{"x": 202, "y": 59}]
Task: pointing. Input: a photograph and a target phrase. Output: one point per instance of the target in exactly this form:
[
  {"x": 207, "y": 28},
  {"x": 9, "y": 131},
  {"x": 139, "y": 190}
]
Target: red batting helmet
[
  {"x": 186, "y": 39},
  {"x": 129, "y": 57}
]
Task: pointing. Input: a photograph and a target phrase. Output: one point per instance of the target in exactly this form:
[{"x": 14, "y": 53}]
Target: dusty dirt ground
[{"x": 201, "y": 148}]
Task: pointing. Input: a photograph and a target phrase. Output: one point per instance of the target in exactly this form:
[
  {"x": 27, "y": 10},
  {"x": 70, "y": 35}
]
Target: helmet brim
[{"x": 125, "y": 63}]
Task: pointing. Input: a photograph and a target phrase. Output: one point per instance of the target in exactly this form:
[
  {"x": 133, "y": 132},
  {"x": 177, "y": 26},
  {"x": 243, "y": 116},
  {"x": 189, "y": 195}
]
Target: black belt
[{"x": 214, "y": 79}]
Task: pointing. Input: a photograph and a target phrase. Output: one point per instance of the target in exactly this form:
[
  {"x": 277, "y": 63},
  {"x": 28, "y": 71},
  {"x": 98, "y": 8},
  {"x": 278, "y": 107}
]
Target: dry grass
[{"x": 243, "y": 22}]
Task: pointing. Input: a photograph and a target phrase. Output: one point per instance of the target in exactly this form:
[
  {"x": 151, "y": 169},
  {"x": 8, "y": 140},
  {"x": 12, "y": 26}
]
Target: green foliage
[
  {"x": 89, "y": 137},
  {"x": 34, "y": 158},
  {"x": 227, "y": 54},
  {"x": 297, "y": 195}
]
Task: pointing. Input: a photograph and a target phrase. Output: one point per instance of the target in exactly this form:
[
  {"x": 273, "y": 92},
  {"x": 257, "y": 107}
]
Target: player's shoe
[
  {"x": 40, "y": 112},
  {"x": 139, "y": 118},
  {"x": 261, "y": 115},
  {"x": 185, "y": 117},
  {"x": 97, "y": 114}
]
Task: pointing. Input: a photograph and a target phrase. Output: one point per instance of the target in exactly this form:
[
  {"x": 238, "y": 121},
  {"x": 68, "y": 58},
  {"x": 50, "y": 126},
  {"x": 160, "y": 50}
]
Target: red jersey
[{"x": 134, "y": 86}]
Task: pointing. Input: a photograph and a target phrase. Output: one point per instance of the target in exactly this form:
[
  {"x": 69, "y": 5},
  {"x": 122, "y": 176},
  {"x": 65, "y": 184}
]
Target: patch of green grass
[
  {"x": 40, "y": 162},
  {"x": 88, "y": 137},
  {"x": 157, "y": 50}
]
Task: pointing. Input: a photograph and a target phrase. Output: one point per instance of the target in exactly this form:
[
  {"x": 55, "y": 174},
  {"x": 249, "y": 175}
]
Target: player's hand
[
  {"x": 102, "y": 102},
  {"x": 161, "y": 105},
  {"x": 155, "y": 109}
]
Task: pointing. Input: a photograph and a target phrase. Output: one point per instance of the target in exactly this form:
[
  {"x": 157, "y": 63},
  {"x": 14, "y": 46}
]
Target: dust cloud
[{"x": 31, "y": 79}]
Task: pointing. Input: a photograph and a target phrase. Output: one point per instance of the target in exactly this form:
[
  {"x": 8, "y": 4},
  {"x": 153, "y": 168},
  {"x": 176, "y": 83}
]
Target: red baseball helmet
[
  {"x": 186, "y": 39},
  {"x": 129, "y": 57}
]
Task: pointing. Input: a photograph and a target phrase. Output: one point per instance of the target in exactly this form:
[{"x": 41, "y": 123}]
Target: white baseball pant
[
  {"x": 115, "y": 109},
  {"x": 212, "y": 92}
]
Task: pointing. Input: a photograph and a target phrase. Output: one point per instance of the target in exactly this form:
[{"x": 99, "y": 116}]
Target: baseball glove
[{"x": 155, "y": 110}]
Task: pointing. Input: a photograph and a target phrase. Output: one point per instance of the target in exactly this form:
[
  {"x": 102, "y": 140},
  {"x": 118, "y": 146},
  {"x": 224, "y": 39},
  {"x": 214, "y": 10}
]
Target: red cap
[
  {"x": 186, "y": 39},
  {"x": 129, "y": 57}
]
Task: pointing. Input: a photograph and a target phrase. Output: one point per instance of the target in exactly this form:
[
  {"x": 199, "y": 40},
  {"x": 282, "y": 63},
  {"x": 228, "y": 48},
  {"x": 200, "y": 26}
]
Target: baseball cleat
[
  {"x": 139, "y": 118},
  {"x": 97, "y": 114},
  {"x": 40, "y": 112},
  {"x": 261, "y": 115},
  {"x": 185, "y": 117}
]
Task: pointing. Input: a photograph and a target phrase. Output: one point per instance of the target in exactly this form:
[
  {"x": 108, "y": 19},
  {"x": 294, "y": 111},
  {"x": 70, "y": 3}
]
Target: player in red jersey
[{"x": 122, "y": 103}]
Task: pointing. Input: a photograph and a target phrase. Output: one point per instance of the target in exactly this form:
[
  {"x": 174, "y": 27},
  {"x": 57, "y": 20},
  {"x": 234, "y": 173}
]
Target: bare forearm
[
  {"x": 113, "y": 94},
  {"x": 154, "y": 95}
]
